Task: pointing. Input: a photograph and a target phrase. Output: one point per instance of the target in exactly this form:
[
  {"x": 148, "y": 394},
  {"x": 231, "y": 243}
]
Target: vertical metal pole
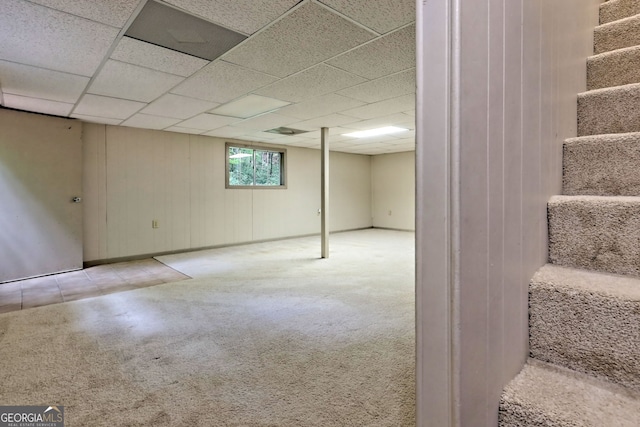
[{"x": 324, "y": 192}]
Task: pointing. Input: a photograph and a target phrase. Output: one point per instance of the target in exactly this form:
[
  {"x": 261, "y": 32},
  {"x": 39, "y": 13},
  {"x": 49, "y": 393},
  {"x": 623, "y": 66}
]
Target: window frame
[{"x": 257, "y": 147}]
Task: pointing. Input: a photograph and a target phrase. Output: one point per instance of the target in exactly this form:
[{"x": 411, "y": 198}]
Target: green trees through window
[{"x": 249, "y": 167}]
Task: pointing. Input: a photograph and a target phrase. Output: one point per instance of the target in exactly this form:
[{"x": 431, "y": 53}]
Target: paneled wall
[
  {"x": 497, "y": 86},
  {"x": 134, "y": 176},
  {"x": 349, "y": 190},
  {"x": 393, "y": 190}
]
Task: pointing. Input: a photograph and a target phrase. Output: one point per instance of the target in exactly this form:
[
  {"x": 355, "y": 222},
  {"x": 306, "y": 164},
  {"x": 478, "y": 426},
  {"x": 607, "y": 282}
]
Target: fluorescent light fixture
[
  {"x": 249, "y": 106},
  {"x": 240, "y": 155},
  {"x": 375, "y": 132}
]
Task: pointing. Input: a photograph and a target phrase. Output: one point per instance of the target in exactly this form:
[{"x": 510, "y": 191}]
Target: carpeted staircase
[{"x": 584, "y": 307}]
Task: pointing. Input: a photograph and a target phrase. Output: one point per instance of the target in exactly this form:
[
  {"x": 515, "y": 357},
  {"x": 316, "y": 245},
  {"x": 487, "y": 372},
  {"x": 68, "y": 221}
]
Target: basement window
[{"x": 255, "y": 167}]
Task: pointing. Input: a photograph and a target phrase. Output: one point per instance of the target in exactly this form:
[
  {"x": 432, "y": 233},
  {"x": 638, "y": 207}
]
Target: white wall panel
[
  {"x": 304, "y": 183},
  {"x": 136, "y": 176},
  {"x": 207, "y": 194},
  {"x": 290, "y": 212},
  {"x": 349, "y": 191},
  {"x": 94, "y": 189},
  {"x": 393, "y": 190},
  {"x": 171, "y": 191},
  {"x": 489, "y": 157},
  {"x": 147, "y": 175},
  {"x": 238, "y": 216},
  {"x": 513, "y": 271}
]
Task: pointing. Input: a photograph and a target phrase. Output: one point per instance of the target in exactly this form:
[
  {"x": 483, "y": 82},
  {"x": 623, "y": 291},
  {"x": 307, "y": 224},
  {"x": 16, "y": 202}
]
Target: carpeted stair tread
[
  {"x": 609, "y": 110},
  {"x": 616, "y": 68},
  {"x": 595, "y": 233},
  {"x": 617, "y": 34},
  {"x": 614, "y": 10},
  {"x": 602, "y": 165},
  {"x": 588, "y": 322},
  {"x": 545, "y": 396}
]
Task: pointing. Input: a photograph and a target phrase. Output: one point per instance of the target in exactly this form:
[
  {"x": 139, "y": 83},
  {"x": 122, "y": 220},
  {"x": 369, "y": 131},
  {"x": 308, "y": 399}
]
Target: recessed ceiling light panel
[
  {"x": 165, "y": 26},
  {"x": 375, "y": 132}
]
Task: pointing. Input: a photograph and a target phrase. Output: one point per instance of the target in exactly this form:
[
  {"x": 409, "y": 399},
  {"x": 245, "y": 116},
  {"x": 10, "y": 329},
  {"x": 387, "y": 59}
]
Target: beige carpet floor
[{"x": 263, "y": 335}]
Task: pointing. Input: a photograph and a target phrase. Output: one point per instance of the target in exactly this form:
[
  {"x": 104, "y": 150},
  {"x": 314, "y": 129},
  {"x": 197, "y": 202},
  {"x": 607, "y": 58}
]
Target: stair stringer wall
[{"x": 497, "y": 85}]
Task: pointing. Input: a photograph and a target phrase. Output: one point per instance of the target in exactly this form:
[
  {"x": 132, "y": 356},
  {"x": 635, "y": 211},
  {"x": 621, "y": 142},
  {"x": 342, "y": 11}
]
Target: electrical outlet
[
  {"x": 154, "y": 223},
  {"x": 389, "y": 212}
]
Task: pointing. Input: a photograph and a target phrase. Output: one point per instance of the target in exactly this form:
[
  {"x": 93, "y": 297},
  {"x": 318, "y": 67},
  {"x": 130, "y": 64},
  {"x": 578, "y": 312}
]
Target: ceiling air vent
[
  {"x": 287, "y": 131},
  {"x": 168, "y": 27}
]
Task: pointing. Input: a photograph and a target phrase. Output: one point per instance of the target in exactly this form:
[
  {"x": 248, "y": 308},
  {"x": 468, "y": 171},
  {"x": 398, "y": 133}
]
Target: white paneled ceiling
[{"x": 345, "y": 64}]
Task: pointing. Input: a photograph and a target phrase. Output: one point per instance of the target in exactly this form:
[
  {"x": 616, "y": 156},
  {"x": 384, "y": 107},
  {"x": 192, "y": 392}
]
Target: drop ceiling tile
[
  {"x": 407, "y": 121},
  {"x": 246, "y": 16},
  {"x": 383, "y": 16},
  {"x": 383, "y": 108},
  {"x": 265, "y": 122},
  {"x": 103, "y": 106},
  {"x": 260, "y": 136},
  {"x": 368, "y": 146},
  {"x": 313, "y": 134},
  {"x": 149, "y": 122},
  {"x": 35, "y": 82},
  {"x": 156, "y": 57},
  {"x": 365, "y": 149},
  {"x": 207, "y": 121},
  {"x": 179, "y": 129},
  {"x": 227, "y": 132},
  {"x": 329, "y": 121},
  {"x": 387, "y": 55},
  {"x": 42, "y": 37},
  {"x": 92, "y": 119},
  {"x": 398, "y": 148},
  {"x": 316, "y": 81},
  {"x": 287, "y": 139},
  {"x": 36, "y": 105},
  {"x": 404, "y": 141},
  {"x": 127, "y": 81},
  {"x": 380, "y": 139},
  {"x": 308, "y": 35},
  {"x": 410, "y": 133},
  {"x": 336, "y": 135},
  {"x": 111, "y": 12},
  {"x": 320, "y": 106},
  {"x": 307, "y": 144},
  {"x": 249, "y": 106},
  {"x": 392, "y": 86},
  {"x": 179, "y": 107},
  {"x": 398, "y": 119},
  {"x": 222, "y": 82}
]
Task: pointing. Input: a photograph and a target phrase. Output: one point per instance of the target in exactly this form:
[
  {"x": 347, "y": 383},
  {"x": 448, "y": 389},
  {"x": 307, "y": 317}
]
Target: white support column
[{"x": 324, "y": 192}]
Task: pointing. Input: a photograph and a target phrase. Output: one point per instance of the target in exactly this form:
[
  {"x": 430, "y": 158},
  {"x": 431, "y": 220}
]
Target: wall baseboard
[{"x": 93, "y": 263}]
